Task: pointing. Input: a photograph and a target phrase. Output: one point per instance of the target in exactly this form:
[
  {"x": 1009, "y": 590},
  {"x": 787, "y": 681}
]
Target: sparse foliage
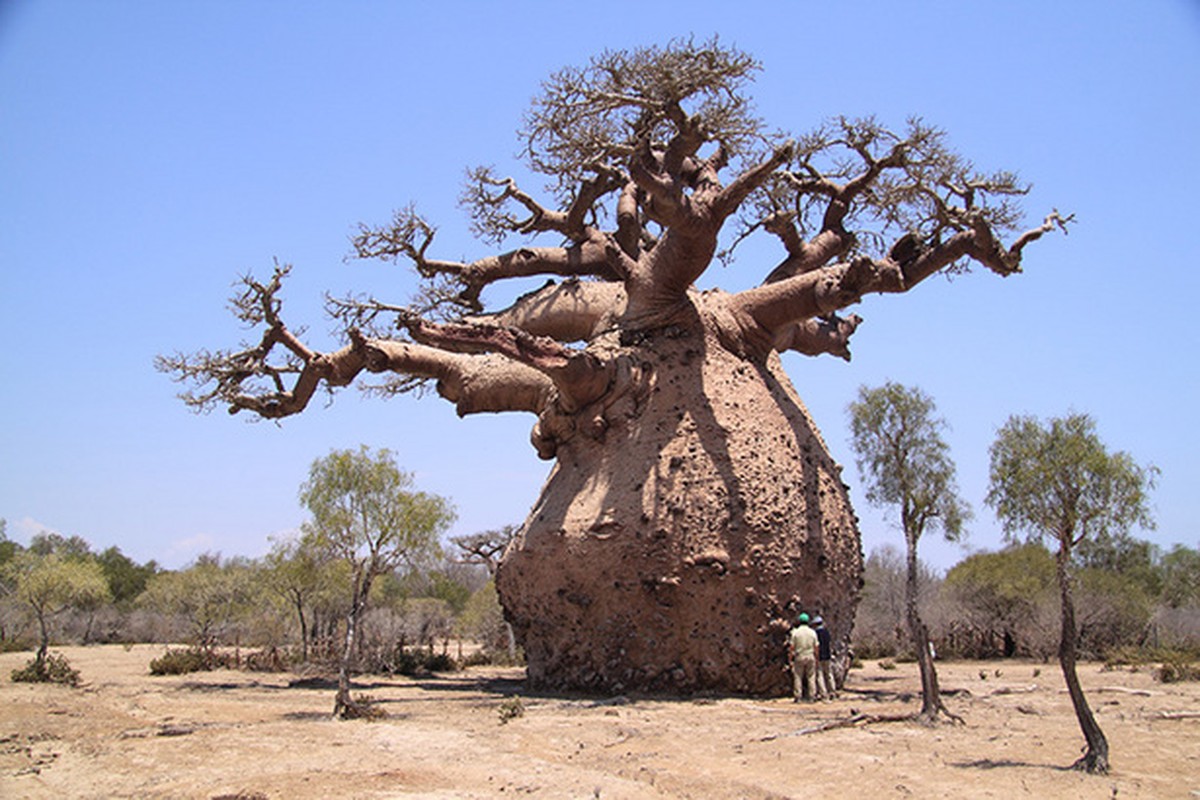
[
  {"x": 366, "y": 515},
  {"x": 1057, "y": 480},
  {"x": 50, "y": 584},
  {"x": 905, "y": 463},
  {"x": 211, "y": 595}
]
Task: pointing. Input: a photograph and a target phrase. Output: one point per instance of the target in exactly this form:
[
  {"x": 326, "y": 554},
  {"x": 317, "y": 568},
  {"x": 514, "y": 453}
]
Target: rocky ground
[{"x": 479, "y": 734}]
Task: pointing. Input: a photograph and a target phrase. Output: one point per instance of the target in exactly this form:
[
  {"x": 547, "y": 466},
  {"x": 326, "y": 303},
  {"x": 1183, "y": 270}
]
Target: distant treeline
[{"x": 1130, "y": 595}]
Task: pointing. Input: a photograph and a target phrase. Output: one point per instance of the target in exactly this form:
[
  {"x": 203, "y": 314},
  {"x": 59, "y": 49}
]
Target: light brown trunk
[{"x": 675, "y": 552}]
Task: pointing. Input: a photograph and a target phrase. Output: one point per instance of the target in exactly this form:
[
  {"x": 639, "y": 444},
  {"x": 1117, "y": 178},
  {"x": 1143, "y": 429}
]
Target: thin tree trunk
[
  {"x": 920, "y": 640},
  {"x": 303, "y": 633},
  {"x": 931, "y": 697},
  {"x": 1095, "y": 759},
  {"x": 343, "y": 705},
  {"x": 43, "y": 643}
]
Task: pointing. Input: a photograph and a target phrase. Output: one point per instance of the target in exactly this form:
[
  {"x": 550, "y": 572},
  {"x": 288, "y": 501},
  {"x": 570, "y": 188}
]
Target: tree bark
[
  {"x": 931, "y": 699},
  {"x": 1095, "y": 759},
  {"x": 43, "y": 640},
  {"x": 344, "y": 706},
  {"x": 674, "y": 551}
]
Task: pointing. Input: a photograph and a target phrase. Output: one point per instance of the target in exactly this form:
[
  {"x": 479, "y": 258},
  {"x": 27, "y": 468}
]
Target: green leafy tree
[
  {"x": 1135, "y": 559},
  {"x": 8, "y": 548},
  {"x": 298, "y": 571},
  {"x": 366, "y": 514},
  {"x": 50, "y": 584},
  {"x": 1180, "y": 571},
  {"x": 1056, "y": 480},
  {"x": 482, "y": 620},
  {"x": 1001, "y": 599},
  {"x": 905, "y": 463},
  {"x": 126, "y": 578},
  {"x": 69, "y": 547},
  {"x": 210, "y": 595}
]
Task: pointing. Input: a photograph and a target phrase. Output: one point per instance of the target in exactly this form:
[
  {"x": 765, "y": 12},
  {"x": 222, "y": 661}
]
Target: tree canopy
[
  {"x": 904, "y": 460},
  {"x": 1056, "y": 479},
  {"x": 649, "y": 154}
]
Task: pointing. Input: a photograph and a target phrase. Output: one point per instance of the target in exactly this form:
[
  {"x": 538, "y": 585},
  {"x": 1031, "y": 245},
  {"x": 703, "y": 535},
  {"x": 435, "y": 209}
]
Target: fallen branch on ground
[
  {"x": 844, "y": 722},
  {"x": 1123, "y": 690}
]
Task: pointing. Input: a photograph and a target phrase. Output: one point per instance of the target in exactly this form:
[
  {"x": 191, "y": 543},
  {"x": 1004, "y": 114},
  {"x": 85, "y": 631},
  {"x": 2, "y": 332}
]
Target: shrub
[
  {"x": 510, "y": 709},
  {"x": 419, "y": 661},
  {"x": 441, "y": 662},
  {"x": 192, "y": 659},
  {"x": 1178, "y": 666},
  {"x": 54, "y": 669},
  {"x": 270, "y": 659},
  {"x": 363, "y": 706}
]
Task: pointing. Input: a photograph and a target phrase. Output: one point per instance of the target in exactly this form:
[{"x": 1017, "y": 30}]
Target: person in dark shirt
[{"x": 824, "y": 661}]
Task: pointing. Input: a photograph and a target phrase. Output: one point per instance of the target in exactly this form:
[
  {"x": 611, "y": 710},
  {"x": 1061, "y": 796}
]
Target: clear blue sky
[{"x": 150, "y": 152}]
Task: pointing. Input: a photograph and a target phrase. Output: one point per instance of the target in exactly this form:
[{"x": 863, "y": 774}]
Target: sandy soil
[{"x": 125, "y": 733}]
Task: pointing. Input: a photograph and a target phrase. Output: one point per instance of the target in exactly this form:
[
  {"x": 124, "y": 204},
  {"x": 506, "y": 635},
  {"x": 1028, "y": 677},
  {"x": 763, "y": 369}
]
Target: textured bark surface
[{"x": 676, "y": 553}]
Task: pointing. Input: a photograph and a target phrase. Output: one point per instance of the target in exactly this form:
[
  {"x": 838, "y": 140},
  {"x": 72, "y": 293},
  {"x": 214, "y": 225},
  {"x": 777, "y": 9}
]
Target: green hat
[{"x": 803, "y": 619}]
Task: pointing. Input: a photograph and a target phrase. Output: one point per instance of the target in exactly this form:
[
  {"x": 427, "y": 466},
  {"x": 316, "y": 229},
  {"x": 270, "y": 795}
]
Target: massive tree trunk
[{"x": 675, "y": 553}]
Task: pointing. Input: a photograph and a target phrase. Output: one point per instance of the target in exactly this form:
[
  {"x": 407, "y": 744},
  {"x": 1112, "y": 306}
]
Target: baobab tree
[{"x": 693, "y": 507}]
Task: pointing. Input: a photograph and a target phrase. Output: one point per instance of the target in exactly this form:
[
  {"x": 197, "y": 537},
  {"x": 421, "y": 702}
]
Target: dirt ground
[{"x": 226, "y": 734}]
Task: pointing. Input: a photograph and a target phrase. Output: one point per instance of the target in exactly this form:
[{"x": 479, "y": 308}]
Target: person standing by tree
[
  {"x": 1057, "y": 480},
  {"x": 824, "y": 678},
  {"x": 365, "y": 513},
  {"x": 905, "y": 462},
  {"x": 802, "y": 653}
]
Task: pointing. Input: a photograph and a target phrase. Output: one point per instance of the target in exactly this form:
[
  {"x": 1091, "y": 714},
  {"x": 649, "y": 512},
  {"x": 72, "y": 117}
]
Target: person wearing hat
[
  {"x": 802, "y": 652},
  {"x": 824, "y": 674}
]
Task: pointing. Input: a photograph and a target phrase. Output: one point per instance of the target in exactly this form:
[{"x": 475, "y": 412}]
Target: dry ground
[{"x": 232, "y": 734}]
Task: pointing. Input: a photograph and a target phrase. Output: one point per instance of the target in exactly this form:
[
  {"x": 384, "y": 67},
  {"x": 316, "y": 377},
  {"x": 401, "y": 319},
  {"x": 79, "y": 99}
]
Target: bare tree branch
[{"x": 580, "y": 376}]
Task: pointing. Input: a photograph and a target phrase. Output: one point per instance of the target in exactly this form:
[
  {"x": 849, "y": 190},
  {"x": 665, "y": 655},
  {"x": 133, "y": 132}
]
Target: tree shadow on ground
[{"x": 1002, "y": 763}]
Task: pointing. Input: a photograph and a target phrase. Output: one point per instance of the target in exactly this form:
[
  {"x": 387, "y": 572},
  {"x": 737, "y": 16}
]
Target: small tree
[
  {"x": 365, "y": 514},
  {"x": 904, "y": 462},
  {"x": 296, "y": 571},
  {"x": 1180, "y": 577},
  {"x": 485, "y": 547},
  {"x": 211, "y": 596},
  {"x": 49, "y": 585},
  {"x": 1057, "y": 480}
]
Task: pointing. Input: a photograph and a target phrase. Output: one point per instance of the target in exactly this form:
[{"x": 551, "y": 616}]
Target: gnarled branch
[{"x": 580, "y": 377}]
